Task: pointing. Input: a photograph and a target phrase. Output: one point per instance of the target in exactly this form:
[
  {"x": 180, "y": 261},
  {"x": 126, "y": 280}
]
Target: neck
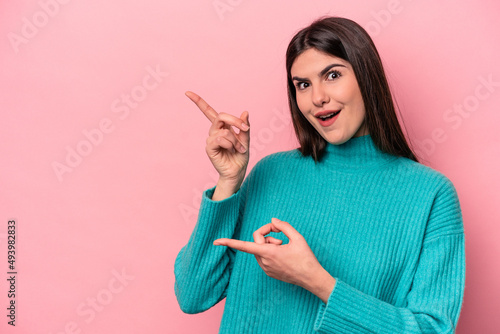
[{"x": 356, "y": 153}]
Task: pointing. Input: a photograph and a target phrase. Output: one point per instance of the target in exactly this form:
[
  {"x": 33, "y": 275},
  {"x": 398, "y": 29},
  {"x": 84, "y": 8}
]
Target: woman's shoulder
[
  {"x": 271, "y": 166},
  {"x": 420, "y": 172},
  {"x": 275, "y": 163},
  {"x": 280, "y": 158}
]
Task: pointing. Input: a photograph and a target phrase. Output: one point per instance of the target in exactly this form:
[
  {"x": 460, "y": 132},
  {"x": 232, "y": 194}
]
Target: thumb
[
  {"x": 245, "y": 117},
  {"x": 245, "y": 135},
  {"x": 286, "y": 228}
]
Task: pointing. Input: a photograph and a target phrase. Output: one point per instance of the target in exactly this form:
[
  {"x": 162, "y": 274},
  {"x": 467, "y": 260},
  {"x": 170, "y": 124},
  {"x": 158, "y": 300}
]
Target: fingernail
[
  {"x": 242, "y": 148},
  {"x": 244, "y": 126}
]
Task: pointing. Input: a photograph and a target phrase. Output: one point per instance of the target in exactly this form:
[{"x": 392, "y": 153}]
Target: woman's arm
[
  {"x": 433, "y": 304},
  {"x": 434, "y": 301},
  {"x": 201, "y": 270}
]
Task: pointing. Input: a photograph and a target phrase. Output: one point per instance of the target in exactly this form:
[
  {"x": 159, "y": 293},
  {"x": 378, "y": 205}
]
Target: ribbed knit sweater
[{"x": 388, "y": 229}]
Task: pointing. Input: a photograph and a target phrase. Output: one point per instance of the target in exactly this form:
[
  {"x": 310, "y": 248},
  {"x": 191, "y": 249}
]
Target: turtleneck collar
[{"x": 356, "y": 153}]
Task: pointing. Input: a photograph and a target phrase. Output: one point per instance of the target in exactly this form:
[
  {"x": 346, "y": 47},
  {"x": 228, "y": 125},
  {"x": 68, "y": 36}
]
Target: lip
[
  {"x": 326, "y": 112},
  {"x": 330, "y": 121}
]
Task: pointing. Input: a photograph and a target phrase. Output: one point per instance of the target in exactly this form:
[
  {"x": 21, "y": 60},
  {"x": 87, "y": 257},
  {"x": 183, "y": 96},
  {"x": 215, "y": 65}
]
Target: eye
[
  {"x": 333, "y": 74},
  {"x": 301, "y": 85}
]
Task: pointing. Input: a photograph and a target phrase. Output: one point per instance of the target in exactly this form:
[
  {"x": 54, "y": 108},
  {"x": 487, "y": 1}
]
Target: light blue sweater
[{"x": 387, "y": 228}]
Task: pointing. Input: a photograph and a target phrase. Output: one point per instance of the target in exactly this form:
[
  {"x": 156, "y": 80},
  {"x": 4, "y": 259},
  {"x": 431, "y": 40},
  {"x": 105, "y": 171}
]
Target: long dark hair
[{"x": 345, "y": 39}]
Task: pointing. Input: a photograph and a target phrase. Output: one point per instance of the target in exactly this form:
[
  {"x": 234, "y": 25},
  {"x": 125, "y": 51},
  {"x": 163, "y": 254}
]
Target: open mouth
[{"x": 327, "y": 117}]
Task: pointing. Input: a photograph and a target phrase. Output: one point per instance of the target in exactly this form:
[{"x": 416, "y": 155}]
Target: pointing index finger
[
  {"x": 203, "y": 106},
  {"x": 244, "y": 246}
]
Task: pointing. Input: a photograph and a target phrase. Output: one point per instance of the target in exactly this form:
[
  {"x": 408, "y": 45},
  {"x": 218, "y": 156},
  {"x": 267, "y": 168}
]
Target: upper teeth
[{"x": 325, "y": 116}]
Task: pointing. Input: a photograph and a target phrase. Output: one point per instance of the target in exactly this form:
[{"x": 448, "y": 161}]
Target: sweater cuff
[
  {"x": 218, "y": 217},
  {"x": 348, "y": 311},
  {"x": 324, "y": 321},
  {"x": 209, "y": 193}
]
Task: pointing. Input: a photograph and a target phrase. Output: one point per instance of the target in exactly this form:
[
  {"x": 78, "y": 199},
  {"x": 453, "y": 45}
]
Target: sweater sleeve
[
  {"x": 435, "y": 298},
  {"x": 202, "y": 270}
]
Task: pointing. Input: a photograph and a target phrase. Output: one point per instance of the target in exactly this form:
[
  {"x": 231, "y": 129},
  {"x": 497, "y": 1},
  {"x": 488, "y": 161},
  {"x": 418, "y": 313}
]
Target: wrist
[
  {"x": 321, "y": 285},
  {"x": 225, "y": 189},
  {"x": 231, "y": 183}
]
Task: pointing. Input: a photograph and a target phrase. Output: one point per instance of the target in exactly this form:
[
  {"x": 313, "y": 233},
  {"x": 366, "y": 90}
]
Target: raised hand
[{"x": 228, "y": 151}]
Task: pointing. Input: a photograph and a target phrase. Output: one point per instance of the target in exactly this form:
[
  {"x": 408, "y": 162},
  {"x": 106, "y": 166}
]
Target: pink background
[{"x": 98, "y": 239}]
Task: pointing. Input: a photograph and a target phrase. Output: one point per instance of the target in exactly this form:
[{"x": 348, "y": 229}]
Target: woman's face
[{"x": 325, "y": 84}]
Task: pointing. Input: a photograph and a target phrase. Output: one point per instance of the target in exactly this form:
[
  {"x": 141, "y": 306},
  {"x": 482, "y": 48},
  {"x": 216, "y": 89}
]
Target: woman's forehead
[{"x": 314, "y": 61}]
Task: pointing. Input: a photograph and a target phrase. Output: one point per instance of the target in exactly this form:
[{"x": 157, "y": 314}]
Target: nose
[{"x": 319, "y": 96}]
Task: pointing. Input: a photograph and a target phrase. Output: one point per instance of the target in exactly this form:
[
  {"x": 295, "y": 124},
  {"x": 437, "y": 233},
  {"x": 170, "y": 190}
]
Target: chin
[{"x": 336, "y": 137}]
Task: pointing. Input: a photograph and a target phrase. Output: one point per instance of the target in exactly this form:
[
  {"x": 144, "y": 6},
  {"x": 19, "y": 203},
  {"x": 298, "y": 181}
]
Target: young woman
[{"x": 349, "y": 233}]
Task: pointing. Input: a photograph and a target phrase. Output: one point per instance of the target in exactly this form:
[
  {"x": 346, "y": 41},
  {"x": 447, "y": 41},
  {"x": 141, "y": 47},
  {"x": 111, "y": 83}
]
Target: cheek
[
  {"x": 353, "y": 95},
  {"x": 347, "y": 93},
  {"x": 341, "y": 93},
  {"x": 360, "y": 105},
  {"x": 301, "y": 103}
]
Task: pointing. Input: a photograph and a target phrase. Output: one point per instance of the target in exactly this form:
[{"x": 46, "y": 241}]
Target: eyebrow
[{"x": 323, "y": 72}]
